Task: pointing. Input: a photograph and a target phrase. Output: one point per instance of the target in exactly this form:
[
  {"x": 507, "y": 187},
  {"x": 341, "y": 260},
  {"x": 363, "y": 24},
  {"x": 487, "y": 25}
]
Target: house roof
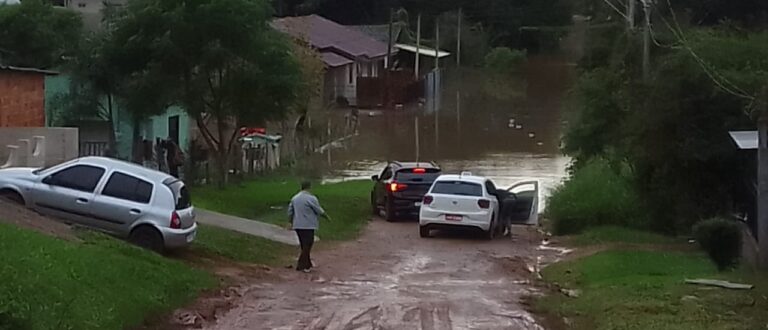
[
  {"x": 335, "y": 60},
  {"x": 380, "y": 32},
  {"x": 424, "y": 51},
  {"x": 324, "y": 34},
  {"x": 26, "y": 70},
  {"x": 745, "y": 140}
]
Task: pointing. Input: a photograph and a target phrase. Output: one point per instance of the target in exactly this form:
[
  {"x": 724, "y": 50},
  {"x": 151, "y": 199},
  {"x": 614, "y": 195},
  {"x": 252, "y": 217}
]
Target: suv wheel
[
  {"x": 374, "y": 206},
  {"x": 148, "y": 238},
  {"x": 491, "y": 233},
  {"x": 424, "y": 232},
  {"x": 389, "y": 212}
]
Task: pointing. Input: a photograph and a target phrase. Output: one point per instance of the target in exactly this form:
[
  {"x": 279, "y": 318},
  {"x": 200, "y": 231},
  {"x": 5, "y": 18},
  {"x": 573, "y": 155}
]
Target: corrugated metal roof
[
  {"x": 746, "y": 140},
  {"x": 325, "y": 34},
  {"x": 29, "y": 70},
  {"x": 335, "y": 60},
  {"x": 424, "y": 51}
]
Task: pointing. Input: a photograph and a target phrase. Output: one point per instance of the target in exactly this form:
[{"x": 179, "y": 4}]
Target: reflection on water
[{"x": 512, "y": 141}]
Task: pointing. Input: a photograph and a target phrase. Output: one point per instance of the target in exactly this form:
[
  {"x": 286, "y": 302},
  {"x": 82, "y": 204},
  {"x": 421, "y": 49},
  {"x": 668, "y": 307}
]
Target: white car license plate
[
  {"x": 191, "y": 237},
  {"x": 417, "y": 204},
  {"x": 451, "y": 217}
]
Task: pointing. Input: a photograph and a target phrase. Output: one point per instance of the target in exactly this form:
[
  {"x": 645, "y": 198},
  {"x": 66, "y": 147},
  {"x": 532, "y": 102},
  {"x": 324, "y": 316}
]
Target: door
[
  {"x": 68, "y": 193},
  {"x": 526, "y": 207},
  {"x": 173, "y": 128},
  {"x": 123, "y": 200},
  {"x": 380, "y": 189}
]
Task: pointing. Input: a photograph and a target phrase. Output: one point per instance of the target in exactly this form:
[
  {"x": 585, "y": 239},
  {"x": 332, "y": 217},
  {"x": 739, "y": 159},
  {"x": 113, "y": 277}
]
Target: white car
[{"x": 474, "y": 202}]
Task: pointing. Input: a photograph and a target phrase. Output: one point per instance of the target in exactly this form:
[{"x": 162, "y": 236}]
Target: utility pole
[
  {"x": 458, "y": 70},
  {"x": 388, "y": 62},
  {"x": 762, "y": 181},
  {"x": 631, "y": 5},
  {"x": 418, "y": 46},
  {"x": 458, "y": 41},
  {"x": 647, "y": 41},
  {"x": 416, "y": 134},
  {"x": 434, "y": 84}
]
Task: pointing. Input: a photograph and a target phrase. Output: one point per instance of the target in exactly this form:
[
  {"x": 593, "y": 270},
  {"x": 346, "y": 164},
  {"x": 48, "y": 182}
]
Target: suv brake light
[
  {"x": 428, "y": 200},
  {"x": 395, "y": 187},
  {"x": 175, "y": 220},
  {"x": 484, "y": 203},
  {"x": 419, "y": 170}
]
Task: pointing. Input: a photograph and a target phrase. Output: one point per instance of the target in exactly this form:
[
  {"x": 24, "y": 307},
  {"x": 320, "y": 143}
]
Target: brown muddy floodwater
[{"x": 391, "y": 278}]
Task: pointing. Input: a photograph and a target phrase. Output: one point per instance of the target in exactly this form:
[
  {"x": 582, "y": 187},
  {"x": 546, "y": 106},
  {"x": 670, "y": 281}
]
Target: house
[
  {"x": 348, "y": 54},
  {"x": 173, "y": 124},
  {"x": 22, "y": 96},
  {"x": 90, "y": 10}
]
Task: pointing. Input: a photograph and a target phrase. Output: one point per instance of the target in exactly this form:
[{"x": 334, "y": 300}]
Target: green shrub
[
  {"x": 721, "y": 239},
  {"x": 596, "y": 194}
]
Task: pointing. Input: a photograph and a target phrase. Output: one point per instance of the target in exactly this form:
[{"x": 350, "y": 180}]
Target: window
[
  {"x": 78, "y": 177},
  {"x": 387, "y": 174},
  {"x": 181, "y": 194},
  {"x": 458, "y": 188},
  {"x": 411, "y": 175},
  {"x": 129, "y": 188},
  {"x": 490, "y": 187},
  {"x": 351, "y": 72}
]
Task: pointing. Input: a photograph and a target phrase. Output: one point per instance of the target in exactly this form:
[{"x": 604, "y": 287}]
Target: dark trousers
[{"x": 306, "y": 240}]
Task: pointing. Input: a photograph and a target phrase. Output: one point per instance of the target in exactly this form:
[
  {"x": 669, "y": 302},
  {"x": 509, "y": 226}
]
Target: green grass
[
  {"x": 240, "y": 247},
  {"x": 645, "y": 290},
  {"x": 99, "y": 283},
  {"x": 615, "y": 234},
  {"x": 265, "y": 199}
]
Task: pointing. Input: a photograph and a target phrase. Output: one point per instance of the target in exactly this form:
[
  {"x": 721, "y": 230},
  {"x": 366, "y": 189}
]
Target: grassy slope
[
  {"x": 100, "y": 283},
  {"x": 631, "y": 289},
  {"x": 615, "y": 234},
  {"x": 265, "y": 200},
  {"x": 240, "y": 247}
]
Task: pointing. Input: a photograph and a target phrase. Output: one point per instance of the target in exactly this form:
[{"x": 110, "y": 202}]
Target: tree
[
  {"x": 34, "y": 34},
  {"x": 222, "y": 62}
]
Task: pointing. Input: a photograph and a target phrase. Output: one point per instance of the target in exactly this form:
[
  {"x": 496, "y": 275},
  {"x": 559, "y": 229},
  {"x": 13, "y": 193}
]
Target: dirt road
[{"x": 392, "y": 279}]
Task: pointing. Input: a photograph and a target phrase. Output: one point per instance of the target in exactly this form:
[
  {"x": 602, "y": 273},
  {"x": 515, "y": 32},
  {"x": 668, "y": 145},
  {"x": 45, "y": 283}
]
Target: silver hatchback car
[{"x": 150, "y": 208}]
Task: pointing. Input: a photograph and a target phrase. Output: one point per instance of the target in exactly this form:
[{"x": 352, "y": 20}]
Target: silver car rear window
[
  {"x": 460, "y": 188},
  {"x": 181, "y": 194}
]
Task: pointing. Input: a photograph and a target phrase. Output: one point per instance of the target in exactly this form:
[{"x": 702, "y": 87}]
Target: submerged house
[{"x": 348, "y": 55}]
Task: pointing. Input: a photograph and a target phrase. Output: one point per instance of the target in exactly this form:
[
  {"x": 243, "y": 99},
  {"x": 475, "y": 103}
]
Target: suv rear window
[
  {"x": 417, "y": 175},
  {"x": 457, "y": 188},
  {"x": 181, "y": 194}
]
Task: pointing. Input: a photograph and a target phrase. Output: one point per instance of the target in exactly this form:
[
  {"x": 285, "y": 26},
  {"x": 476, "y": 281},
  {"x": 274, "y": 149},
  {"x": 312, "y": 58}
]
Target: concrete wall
[
  {"x": 61, "y": 144},
  {"x": 22, "y": 99}
]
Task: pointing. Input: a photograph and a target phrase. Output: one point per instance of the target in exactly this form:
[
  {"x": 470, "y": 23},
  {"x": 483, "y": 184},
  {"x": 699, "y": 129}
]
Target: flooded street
[
  {"x": 391, "y": 278},
  {"x": 508, "y": 141}
]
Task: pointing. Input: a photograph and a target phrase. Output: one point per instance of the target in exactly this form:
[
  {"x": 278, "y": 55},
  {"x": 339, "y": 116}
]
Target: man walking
[{"x": 303, "y": 213}]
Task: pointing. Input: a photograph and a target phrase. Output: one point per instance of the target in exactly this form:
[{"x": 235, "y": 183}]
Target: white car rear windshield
[{"x": 460, "y": 188}]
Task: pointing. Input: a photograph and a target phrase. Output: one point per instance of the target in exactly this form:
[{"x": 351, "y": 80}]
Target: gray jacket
[{"x": 304, "y": 211}]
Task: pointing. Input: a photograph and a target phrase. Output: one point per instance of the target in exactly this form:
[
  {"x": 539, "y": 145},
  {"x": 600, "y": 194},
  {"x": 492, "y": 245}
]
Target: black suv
[{"x": 400, "y": 187}]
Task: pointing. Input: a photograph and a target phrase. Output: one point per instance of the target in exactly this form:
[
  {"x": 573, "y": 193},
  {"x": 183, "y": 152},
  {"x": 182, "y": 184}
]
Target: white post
[{"x": 416, "y": 133}]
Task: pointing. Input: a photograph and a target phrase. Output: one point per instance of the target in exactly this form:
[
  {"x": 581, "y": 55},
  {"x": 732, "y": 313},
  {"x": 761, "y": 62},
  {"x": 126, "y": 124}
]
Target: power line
[
  {"x": 710, "y": 71},
  {"x": 609, "y": 3}
]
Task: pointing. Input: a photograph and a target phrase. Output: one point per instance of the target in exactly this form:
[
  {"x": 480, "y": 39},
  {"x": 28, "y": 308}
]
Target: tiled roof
[
  {"x": 335, "y": 60},
  {"x": 324, "y": 34}
]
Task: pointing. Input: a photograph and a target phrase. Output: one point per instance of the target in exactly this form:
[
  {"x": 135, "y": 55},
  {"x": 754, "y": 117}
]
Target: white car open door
[{"x": 526, "y": 211}]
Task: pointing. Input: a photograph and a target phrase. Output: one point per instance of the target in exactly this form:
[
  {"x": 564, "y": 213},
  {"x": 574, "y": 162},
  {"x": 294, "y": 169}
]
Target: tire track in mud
[{"x": 391, "y": 279}]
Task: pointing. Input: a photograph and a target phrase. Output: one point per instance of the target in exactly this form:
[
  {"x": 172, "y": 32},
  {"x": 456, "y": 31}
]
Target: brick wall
[{"x": 22, "y": 99}]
